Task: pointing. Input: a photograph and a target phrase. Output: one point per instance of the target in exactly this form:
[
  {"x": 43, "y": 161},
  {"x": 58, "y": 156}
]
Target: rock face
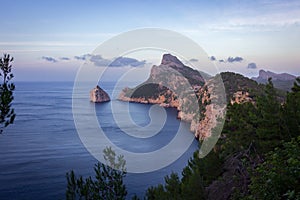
[
  {"x": 241, "y": 97},
  {"x": 172, "y": 84},
  {"x": 97, "y": 95}
]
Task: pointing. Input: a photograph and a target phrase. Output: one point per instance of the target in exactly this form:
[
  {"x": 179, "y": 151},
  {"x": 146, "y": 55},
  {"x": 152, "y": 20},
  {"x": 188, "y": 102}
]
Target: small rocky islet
[{"x": 98, "y": 95}]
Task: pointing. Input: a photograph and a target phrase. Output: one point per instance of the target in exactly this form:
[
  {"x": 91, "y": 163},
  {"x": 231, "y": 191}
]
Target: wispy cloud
[
  {"x": 98, "y": 60},
  {"x": 64, "y": 58},
  {"x": 83, "y": 57},
  {"x": 212, "y": 58},
  {"x": 45, "y": 43},
  {"x": 49, "y": 59},
  {"x": 229, "y": 59},
  {"x": 193, "y": 60},
  {"x": 125, "y": 61},
  {"x": 252, "y": 66},
  {"x": 234, "y": 59},
  {"x": 258, "y": 16}
]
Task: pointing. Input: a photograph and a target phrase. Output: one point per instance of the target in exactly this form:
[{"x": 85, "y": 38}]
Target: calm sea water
[{"x": 43, "y": 144}]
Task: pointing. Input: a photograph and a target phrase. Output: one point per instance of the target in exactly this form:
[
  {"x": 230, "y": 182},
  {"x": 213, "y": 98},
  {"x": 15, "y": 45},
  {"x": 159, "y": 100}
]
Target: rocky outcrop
[
  {"x": 98, "y": 95},
  {"x": 215, "y": 108},
  {"x": 172, "y": 84},
  {"x": 241, "y": 97}
]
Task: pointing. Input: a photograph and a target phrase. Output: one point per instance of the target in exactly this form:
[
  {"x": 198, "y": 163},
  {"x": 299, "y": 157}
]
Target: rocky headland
[{"x": 173, "y": 84}]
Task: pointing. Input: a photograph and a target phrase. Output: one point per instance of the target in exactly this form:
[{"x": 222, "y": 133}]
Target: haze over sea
[{"x": 43, "y": 144}]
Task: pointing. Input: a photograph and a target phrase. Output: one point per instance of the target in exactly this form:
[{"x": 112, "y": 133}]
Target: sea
[{"x": 43, "y": 144}]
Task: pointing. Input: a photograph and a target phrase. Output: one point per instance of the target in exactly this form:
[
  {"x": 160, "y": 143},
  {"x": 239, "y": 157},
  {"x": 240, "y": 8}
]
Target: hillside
[{"x": 237, "y": 83}]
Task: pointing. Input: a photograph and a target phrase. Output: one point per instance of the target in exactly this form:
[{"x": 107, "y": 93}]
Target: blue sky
[{"x": 263, "y": 32}]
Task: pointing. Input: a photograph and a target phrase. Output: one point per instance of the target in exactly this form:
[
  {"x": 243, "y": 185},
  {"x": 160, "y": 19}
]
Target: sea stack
[{"x": 98, "y": 95}]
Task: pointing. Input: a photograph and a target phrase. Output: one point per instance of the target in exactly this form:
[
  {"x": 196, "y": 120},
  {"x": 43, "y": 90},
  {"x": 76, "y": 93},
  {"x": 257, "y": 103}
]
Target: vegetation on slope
[{"x": 257, "y": 156}]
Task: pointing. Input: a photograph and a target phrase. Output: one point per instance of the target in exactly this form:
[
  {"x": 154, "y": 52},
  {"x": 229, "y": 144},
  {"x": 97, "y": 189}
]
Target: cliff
[
  {"x": 172, "y": 84},
  {"x": 98, "y": 95}
]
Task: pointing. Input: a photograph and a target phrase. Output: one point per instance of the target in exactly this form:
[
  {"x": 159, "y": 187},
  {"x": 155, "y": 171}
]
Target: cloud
[
  {"x": 212, "y": 58},
  {"x": 125, "y": 61},
  {"x": 98, "y": 60},
  {"x": 251, "y": 66},
  {"x": 49, "y": 59},
  {"x": 83, "y": 57},
  {"x": 64, "y": 58},
  {"x": 193, "y": 60},
  {"x": 236, "y": 59}
]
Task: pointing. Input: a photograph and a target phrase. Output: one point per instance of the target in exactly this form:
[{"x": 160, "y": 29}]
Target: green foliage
[
  {"x": 156, "y": 193},
  {"x": 199, "y": 174},
  {"x": 107, "y": 184},
  {"x": 7, "y": 114},
  {"x": 173, "y": 186},
  {"x": 291, "y": 110},
  {"x": 278, "y": 177},
  {"x": 171, "y": 190},
  {"x": 236, "y": 82},
  {"x": 114, "y": 162},
  {"x": 195, "y": 177},
  {"x": 269, "y": 128},
  {"x": 148, "y": 90},
  {"x": 239, "y": 130}
]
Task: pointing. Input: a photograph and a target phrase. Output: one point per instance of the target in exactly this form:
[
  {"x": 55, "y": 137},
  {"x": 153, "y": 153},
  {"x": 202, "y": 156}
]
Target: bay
[{"x": 43, "y": 144}]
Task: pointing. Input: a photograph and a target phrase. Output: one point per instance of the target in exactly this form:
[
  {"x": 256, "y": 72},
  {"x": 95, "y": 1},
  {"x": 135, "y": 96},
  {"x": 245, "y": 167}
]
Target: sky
[{"x": 51, "y": 39}]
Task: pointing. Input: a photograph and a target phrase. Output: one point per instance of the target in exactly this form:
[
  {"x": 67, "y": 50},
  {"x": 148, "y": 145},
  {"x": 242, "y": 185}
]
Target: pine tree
[
  {"x": 292, "y": 110},
  {"x": 278, "y": 177},
  {"x": 7, "y": 114},
  {"x": 107, "y": 184},
  {"x": 269, "y": 129},
  {"x": 173, "y": 186},
  {"x": 239, "y": 129}
]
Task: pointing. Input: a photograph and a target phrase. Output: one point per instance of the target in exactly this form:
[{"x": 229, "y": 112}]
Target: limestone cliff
[
  {"x": 98, "y": 95},
  {"x": 172, "y": 84}
]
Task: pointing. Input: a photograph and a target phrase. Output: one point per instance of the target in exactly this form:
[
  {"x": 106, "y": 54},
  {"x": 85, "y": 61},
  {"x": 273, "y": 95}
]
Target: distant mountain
[{"x": 283, "y": 81}]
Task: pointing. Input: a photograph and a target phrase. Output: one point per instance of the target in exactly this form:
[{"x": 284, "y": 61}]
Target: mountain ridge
[{"x": 283, "y": 81}]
